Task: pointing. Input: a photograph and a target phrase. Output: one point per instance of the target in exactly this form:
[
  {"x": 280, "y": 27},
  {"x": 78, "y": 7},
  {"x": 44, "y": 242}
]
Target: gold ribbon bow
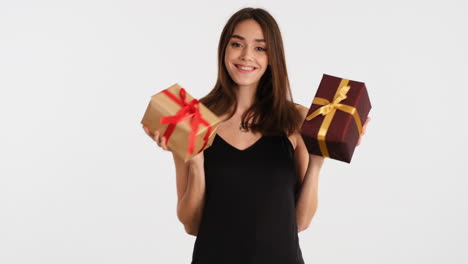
[{"x": 329, "y": 109}]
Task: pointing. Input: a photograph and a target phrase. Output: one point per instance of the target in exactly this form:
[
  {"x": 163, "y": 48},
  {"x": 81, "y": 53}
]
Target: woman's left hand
[{"x": 363, "y": 130}]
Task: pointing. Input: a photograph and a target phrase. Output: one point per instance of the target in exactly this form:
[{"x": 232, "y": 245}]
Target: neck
[{"x": 245, "y": 97}]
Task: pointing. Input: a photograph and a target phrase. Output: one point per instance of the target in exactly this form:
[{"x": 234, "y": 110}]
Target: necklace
[{"x": 244, "y": 127}]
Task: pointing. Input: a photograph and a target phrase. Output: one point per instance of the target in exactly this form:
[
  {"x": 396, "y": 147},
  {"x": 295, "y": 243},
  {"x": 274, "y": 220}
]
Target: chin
[{"x": 244, "y": 83}]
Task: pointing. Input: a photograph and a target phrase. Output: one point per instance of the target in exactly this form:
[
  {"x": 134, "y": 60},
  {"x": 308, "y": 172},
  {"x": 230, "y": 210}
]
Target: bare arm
[
  {"x": 308, "y": 168},
  {"x": 307, "y": 202},
  {"x": 190, "y": 178}
]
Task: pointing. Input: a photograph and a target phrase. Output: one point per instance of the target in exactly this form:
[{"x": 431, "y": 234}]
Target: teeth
[{"x": 245, "y": 68}]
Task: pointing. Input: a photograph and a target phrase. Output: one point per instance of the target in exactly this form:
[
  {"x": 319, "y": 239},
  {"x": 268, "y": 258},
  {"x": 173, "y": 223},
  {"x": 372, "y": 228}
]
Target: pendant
[{"x": 243, "y": 128}]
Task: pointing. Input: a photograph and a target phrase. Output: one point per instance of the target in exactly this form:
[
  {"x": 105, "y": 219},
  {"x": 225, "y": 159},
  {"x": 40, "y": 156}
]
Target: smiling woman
[
  {"x": 248, "y": 195},
  {"x": 253, "y": 175}
]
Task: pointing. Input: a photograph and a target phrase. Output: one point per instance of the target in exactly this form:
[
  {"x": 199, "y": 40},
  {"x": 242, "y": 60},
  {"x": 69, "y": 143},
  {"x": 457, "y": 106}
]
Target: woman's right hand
[
  {"x": 198, "y": 159},
  {"x": 160, "y": 140}
]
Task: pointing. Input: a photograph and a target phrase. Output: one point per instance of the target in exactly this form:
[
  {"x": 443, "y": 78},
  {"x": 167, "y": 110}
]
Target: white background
[{"x": 80, "y": 182}]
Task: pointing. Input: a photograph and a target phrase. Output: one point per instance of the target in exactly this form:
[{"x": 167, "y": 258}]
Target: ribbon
[
  {"x": 329, "y": 109},
  {"x": 188, "y": 110}
]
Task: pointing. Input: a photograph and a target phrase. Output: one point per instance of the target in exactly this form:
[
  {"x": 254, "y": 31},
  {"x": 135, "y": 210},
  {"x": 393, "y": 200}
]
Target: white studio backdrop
[{"x": 80, "y": 182}]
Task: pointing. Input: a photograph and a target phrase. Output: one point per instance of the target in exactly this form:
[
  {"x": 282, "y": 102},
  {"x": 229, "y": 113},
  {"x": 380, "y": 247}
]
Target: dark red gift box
[{"x": 334, "y": 121}]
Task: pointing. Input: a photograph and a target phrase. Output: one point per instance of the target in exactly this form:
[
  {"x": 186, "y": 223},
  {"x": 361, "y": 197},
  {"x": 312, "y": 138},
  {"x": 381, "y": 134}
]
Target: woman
[{"x": 249, "y": 194}]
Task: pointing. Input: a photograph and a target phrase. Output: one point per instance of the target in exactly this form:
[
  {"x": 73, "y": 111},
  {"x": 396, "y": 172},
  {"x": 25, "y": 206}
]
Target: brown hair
[{"x": 273, "y": 111}]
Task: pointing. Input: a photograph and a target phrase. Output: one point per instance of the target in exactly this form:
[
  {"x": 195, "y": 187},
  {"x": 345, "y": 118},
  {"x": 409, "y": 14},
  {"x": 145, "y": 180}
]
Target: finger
[
  {"x": 365, "y": 126},
  {"x": 166, "y": 146},
  {"x": 146, "y": 131},
  {"x": 368, "y": 120},
  {"x": 163, "y": 143},
  {"x": 359, "y": 141},
  {"x": 161, "y": 140},
  {"x": 156, "y": 136}
]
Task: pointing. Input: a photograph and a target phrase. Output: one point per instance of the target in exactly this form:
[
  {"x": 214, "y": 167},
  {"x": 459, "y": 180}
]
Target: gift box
[
  {"x": 334, "y": 122},
  {"x": 188, "y": 126}
]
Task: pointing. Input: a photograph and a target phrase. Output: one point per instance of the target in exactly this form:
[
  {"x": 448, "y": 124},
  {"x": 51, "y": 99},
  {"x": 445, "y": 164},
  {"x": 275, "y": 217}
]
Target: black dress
[{"x": 249, "y": 215}]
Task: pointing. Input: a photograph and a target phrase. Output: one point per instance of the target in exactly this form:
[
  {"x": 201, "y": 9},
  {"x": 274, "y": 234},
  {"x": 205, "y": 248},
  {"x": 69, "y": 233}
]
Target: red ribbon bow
[{"x": 188, "y": 110}]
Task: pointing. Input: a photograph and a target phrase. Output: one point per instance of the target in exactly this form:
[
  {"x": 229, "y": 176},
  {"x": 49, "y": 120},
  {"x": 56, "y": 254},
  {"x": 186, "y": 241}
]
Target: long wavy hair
[{"x": 273, "y": 111}]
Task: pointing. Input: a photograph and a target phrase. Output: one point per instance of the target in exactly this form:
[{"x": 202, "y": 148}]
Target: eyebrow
[{"x": 242, "y": 38}]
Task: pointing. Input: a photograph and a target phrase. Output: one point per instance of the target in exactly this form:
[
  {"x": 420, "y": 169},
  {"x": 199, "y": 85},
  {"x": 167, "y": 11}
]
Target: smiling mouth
[{"x": 243, "y": 68}]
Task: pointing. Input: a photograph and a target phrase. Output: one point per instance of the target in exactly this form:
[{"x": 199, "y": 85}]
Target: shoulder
[
  {"x": 302, "y": 110},
  {"x": 294, "y": 138}
]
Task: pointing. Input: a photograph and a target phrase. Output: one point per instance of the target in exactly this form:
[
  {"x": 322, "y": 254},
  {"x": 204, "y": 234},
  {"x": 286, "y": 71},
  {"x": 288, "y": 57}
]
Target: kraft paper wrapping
[{"x": 162, "y": 105}]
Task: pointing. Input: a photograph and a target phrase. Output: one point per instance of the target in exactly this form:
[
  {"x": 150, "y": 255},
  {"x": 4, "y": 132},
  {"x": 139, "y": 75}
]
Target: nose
[{"x": 246, "y": 54}]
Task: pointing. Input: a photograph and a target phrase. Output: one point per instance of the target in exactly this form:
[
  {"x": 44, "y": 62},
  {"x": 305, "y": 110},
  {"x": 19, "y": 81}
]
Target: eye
[
  {"x": 235, "y": 44},
  {"x": 261, "y": 49}
]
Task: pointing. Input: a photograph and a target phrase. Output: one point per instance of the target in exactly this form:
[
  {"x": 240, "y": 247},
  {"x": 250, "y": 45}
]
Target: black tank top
[{"x": 249, "y": 215}]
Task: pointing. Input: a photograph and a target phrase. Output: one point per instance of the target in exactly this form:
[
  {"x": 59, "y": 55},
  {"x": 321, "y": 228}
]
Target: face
[{"x": 246, "y": 59}]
